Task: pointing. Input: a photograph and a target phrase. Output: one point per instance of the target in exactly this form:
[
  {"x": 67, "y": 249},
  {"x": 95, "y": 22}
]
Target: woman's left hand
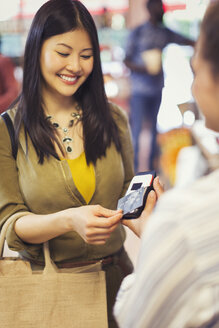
[{"x": 137, "y": 225}]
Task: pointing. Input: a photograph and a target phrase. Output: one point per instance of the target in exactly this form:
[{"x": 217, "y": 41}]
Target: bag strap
[
  {"x": 14, "y": 146},
  {"x": 5, "y": 226},
  {"x": 49, "y": 264},
  {"x": 11, "y": 132}
]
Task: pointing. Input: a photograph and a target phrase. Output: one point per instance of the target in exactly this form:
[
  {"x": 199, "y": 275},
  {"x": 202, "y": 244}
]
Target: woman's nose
[{"x": 74, "y": 65}]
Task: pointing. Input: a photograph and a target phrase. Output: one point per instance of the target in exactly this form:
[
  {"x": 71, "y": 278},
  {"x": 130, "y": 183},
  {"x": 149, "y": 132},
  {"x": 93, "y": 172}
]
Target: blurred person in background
[
  {"x": 144, "y": 59},
  {"x": 8, "y": 84},
  {"x": 176, "y": 282}
]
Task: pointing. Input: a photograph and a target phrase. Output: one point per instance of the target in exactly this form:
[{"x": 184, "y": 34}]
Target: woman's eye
[
  {"x": 62, "y": 54},
  {"x": 86, "y": 57}
]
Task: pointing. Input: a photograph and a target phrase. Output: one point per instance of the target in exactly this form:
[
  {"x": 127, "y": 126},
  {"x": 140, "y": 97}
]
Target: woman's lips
[{"x": 68, "y": 79}]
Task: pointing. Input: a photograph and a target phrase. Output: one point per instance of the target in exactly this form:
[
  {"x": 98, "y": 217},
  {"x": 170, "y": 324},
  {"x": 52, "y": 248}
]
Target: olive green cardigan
[{"x": 26, "y": 185}]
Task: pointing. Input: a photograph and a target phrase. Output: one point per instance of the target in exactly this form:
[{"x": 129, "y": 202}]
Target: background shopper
[{"x": 144, "y": 59}]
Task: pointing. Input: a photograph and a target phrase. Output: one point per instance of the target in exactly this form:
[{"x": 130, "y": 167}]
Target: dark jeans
[{"x": 144, "y": 107}]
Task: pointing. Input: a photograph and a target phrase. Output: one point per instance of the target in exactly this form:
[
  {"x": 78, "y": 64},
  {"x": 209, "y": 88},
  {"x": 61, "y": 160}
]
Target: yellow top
[{"x": 83, "y": 176}]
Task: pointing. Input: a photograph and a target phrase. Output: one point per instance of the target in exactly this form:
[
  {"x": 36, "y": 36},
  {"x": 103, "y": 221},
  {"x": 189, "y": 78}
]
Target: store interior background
[{"x": 180, "y": 124}]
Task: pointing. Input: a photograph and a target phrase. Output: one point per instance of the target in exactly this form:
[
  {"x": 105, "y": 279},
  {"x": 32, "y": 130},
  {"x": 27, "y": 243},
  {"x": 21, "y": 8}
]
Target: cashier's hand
[
  {"x": 137, "y": 225},
  {"x": 95, "y": 223}
]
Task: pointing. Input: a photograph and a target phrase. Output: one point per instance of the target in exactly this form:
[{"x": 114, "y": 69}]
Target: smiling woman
[
  {"x": 73, "y": 145},
  {"x": 66, "y": 62}
]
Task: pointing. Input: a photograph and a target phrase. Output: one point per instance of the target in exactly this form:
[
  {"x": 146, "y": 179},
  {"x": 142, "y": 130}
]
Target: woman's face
[
  {"x": 66, "y": 61},
  {"x": 205, "y": 89}
]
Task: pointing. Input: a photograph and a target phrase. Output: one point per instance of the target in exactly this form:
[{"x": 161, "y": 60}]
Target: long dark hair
[{"x": 57, "y": 17}]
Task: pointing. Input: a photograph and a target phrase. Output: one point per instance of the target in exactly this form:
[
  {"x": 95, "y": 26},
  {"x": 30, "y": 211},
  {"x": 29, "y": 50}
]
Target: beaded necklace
[{"x": 66, "y": 139}]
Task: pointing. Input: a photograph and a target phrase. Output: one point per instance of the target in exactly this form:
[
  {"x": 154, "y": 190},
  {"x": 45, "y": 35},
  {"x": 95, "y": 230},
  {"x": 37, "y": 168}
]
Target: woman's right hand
[{"x": 94, "y": 223}]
